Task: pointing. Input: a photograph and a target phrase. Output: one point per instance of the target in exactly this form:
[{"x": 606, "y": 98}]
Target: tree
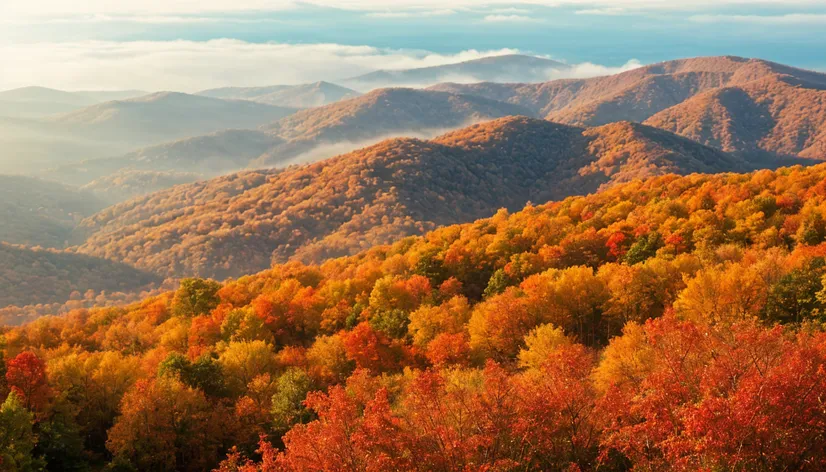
[
  {"x": 26, "y": 375},
  {"x": 540, "y": 344},
  {"x": 17, "y": 441},
  {"x": 242, "y": 361},
  {"x": 165, "y": 425},
  {"x": 196, "y": 297},
  {"x": 288, "y": 409}
]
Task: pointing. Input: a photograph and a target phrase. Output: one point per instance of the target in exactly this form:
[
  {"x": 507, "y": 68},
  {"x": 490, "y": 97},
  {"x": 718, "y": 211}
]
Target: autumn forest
[{"x": 586, "y": 274}]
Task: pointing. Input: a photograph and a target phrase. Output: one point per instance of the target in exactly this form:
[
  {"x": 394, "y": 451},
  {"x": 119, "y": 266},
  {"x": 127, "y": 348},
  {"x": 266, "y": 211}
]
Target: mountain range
[
  {"x": 307, "y": 135},
  {"x": 226, "y": 187},
  {"x": 242, "y": 223},
  {"x": 734, "y": 103}
]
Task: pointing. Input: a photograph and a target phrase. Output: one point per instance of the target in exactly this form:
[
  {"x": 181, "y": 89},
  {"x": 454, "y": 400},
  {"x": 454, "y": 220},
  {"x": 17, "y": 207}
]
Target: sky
[{"x": 190, "y": 45}]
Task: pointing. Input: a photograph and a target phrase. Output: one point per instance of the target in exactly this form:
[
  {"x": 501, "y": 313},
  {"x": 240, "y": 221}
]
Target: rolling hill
[
  {"x": 310, "y": 135},
  {"x": 733, "y": 103},
  {"x": 241, "y": 223},
  {"x": 293, "y": 96},
  {"x": 505, "y": 68},
  {"x": 36, "y": 102},
  {"x": 34, "y": 276},
  {"x": 40, "y": 213},
  {"x": 778, "y": 115},
  {"x": 167, "y": 115},
  {"x": 635, "y": 95}
]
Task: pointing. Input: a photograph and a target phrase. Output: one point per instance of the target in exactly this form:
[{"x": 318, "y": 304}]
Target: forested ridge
[
  {"x": 240, "y": 224},
  {"x": 732, "y": 103},
  {"x": 673, "y": 323}
]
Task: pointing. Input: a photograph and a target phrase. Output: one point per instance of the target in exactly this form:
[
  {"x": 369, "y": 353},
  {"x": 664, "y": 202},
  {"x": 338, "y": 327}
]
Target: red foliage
[{"x": 26, "y": 376}]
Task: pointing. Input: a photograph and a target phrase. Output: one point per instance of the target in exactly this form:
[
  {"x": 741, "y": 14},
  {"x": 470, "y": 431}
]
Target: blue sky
[{"x": 189, "y": 45}]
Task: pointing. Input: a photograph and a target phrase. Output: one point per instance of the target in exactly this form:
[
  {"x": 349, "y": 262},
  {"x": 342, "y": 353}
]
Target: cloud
[
  {"x": 411, "y": 14},
  {"x": 511, "y": 19},
  {"x": 790, "y": 19},
  {"x": 511, "y": 10},
  {"x": 191, "y": 66},
  {"x": 608, "y": 11}
]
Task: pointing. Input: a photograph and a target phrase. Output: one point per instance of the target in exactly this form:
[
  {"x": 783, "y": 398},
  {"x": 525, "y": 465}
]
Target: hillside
[
  {"x": 310, "y": 135},
  {"x": 778, "y": 115},
  {"x": 127, "y": 184},
  {"x": 505, "y": 68},
  {"x": 208, "y": 156},
  {"x": 293, "y": 96},
  {"x": 40, "y": 213},
  {"x": 634, "y": 95},
  {"x": 376, "y": 115},
  {"x": 239, "y": 224},
  {"x": 41, "y": 276},
  {"x": 166, "y": 116},
  {"x": 668, "y": 324},
  {"x": 36, "y": 102}
]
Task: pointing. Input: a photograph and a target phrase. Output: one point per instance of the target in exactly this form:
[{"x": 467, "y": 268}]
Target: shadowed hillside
[{"x": 40, "y": 213}]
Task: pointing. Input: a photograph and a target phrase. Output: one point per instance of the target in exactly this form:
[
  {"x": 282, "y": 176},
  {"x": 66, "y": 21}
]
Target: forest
[{"x": 673, "y": 323}]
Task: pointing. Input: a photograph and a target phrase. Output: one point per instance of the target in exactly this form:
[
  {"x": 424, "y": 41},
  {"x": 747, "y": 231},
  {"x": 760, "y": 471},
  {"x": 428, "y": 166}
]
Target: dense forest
[
  {"x": 732, "y": 103},
  {"x": 240, "y": 224},
  {"x": 674, "y": 323}
]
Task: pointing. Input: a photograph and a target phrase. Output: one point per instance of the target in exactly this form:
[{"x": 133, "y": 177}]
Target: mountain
[
  {"x": 207, "y": 156},
  {"x": 505, "y": 68},
  {"x": 241, "y": 223},
  {"x": 127, "y": 184},
  {"x": 34, "y": 276},
  {"x": 117, "y": 127},
  {"x": 635, "y": 95},
  {"x": 35, "y": 102},
  {"x": 382, "y": 113},
  {"x": 309, "y": 135},
  {"x": 777, "y": 115},
  {"x": 293, "y": 96},
  {"x": 40, "y": 213},
  {"x": 167, "y": 115}
]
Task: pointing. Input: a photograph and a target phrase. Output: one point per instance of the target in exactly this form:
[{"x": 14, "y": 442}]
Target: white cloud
[
  {"x": 511, "y": 19},
  {"x": 511, "y": 10},
  {"x": 411, "y": 14},
  {"x": 191, "y": 66},
  {"x": 790, "y": 19},
  {"x": 608, "y": 11}
]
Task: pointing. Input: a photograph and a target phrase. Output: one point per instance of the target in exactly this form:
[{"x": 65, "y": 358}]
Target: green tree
[
  {"x": 196, "y": 297},
  {"x": 288, "y": 407},
  {"x": 17, "y": 440}
]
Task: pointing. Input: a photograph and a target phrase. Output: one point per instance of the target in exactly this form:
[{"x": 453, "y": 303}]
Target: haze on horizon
[{"x": 190, "y": 46}]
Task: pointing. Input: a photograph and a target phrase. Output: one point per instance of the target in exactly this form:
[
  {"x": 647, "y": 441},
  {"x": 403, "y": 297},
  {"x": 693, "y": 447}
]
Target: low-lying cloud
[{"x": 190, "y": 66}]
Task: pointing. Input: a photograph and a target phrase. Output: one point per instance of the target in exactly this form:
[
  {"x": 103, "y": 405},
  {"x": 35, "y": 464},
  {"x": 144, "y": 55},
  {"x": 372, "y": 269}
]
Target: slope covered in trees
[
  {"x": 34, "y": 276},
  {"x": 239, "y": 224},
  {"x": 209, "y": 155},
  {"x": 780, "y": 101},
  {"x": 669, "y": 324},
  {"x": 40, "y": 213},
  {"x": 779, "y": 115}
]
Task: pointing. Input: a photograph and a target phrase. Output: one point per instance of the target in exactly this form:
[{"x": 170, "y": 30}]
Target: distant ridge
[
  {"x": 734, "y": 103},
  {"x": 504, "y": 68},
  {"x": 292, "y": 96}
]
